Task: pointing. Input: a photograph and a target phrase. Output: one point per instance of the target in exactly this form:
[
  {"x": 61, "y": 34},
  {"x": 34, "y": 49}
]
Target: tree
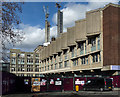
[{"x": 10, "y": 23}]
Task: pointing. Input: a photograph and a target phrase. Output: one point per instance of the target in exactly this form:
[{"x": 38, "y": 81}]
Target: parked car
[{"x": 98, "y": 84}]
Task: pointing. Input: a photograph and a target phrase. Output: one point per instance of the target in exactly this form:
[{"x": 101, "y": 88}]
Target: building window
[
  {"x": 60, "y": 65},
  {"x": 48, "y": 67},
  {"x": 37, "y": 55},
  {"x": 75, "y": 62},
  {"x": 98, "y": 42},
  {"x": 22, "y": 74},
  {"x": 13, "y": 54},
  {"x": 29, "y": 55},
  {"x": 12, "y": 69},
  {"x": 72, "y": 50},
  {"x": 48, "y": 62},
  {"x": 51, "y": 60},
  {"x": 81, "y": 46},
  {"x": 36, "y": 69},
  {"x": 99, "y": 58},
  {"x": 51, "y": 67},
  {"x": 60, "y": 57},
  {"x": 66, "y": 64},
  {"x": 45, "y": 68},
  {"x": 22, "y": 55},
  {"x": 92, "y": 41},
  {"x": 55, "y": 60},
  {"x": 37, "y": 61},
  {"x": 84, "y": 60},
  {"x": 65, "y": 54},
  {"x": 13, "y": 60},
  {"x": 29, "y": 61},
  {"x": 55, "y": 66},
  {"x": 22, "y": 61},
  {"x": 96, "y": 57}
]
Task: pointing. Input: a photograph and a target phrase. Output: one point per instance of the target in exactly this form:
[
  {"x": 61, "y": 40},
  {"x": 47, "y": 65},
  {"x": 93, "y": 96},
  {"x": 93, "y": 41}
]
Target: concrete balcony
[
  {"x": 98, "y": 47},
  {"x": 81, "y": 52},
  {"x": 93, "y": 48}
]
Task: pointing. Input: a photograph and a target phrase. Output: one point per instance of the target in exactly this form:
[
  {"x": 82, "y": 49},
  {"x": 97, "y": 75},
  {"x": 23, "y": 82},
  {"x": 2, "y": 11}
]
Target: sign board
[
  {"x": 78, "y": 82},
  {"x": 115, "y": 67},
  {"x": 51, "y": 81},
  {"x": 43, "y": 82},
  {"x": 82, "y": 82},
  {"x": 35, "y": 84},
  {"x": 58, "y": 82}
]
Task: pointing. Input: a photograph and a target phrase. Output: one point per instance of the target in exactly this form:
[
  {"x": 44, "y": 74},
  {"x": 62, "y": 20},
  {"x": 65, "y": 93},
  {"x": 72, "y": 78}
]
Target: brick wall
[{"x": 111, "y": 36}]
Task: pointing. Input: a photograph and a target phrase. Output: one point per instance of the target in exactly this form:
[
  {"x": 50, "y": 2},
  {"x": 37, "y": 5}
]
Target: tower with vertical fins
[
  {"x": 59, "y": 20},
  {"x": 47, "y": 25}
]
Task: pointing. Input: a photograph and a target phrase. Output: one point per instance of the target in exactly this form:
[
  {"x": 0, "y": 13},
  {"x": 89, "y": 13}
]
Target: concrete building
[
  {"x": 24, "y": 63},
  {"x": 91, "y": 47}
]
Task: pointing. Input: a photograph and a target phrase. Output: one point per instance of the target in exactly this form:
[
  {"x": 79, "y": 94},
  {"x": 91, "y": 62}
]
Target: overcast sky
[{"x": 33, "y": 19}]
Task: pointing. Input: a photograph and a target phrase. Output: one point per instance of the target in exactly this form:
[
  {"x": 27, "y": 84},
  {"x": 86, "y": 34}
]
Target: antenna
[{"x": 46, "y": 12}]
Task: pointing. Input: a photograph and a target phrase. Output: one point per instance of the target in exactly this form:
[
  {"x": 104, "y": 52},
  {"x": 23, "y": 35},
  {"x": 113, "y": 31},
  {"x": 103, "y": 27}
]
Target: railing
[
  {"x": 36, "y": 63},
  {"x": 13, "y": 62},
  {"x": 65, "y": 57},
  {"x": 81, "y": 52},
  {"x": 72, "y": 54},
  {"x": 29, "y": 63},
  {"x": 22, "y": 63},
  {"x": 93, "y": 48},
  {"x": 98, "y": 47}
]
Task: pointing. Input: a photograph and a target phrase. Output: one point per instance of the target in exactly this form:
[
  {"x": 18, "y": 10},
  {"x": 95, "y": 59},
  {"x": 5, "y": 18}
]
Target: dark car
[{"x": 98, "y": 84}]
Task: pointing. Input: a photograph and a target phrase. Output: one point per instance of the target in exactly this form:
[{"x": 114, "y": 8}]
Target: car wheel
[{"x": 101, "y": 89}]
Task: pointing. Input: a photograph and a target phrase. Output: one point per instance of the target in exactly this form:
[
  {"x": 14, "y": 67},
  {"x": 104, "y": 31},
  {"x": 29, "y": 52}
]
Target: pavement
[{"x": 114, "y": 93}]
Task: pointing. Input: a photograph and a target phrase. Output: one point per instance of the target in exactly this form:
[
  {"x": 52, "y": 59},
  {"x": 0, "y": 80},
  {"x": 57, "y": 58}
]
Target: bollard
[{"x": 77, "y": 88}]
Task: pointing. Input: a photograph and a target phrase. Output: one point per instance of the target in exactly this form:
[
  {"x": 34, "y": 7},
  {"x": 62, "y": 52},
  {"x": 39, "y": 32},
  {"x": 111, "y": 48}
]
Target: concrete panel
[
  {"x": 58, "y": 44},
  {"x": 64, "y": 41},
  {"x": 47, "y": 52},
  {"x": 54, "y": 47},
  {"x": 51, "y": 49},
  {"x": 44, "y": 53},
  {"x": 80, "y": 30},
  {"x": 71, "y": 36},
  {"x": 93, "y": 22}
]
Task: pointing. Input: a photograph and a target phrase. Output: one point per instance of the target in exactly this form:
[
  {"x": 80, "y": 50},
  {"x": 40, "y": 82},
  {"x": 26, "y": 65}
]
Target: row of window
[
  {"x": 56, "y": 66},
  {"x": 27, "y": 69},
  {"x": 21, "y": 55},
  {"x": 22, "y": 61},
  {"x": 84, "y": 60}
]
